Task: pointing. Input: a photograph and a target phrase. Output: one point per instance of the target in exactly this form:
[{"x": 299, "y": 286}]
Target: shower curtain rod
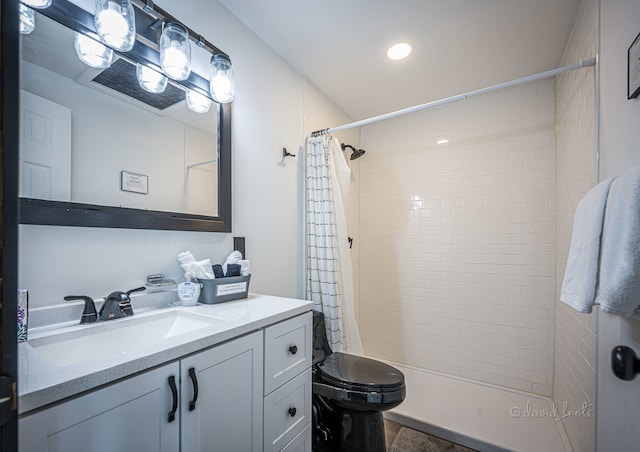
[{"x": 584, "y": 63}]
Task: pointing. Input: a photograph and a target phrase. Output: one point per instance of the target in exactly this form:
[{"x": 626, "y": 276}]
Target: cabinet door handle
[
  {"x": 194, "y": 381},
  {"x": 292, "y": 411},
  {"x": 293, "y": 349},
  {"x": 174, "y": 394}
]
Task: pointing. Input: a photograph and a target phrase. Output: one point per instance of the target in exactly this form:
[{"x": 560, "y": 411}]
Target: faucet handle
[
  {"x": 137, "y": 289},
  {"x": 89, "y": 314},
  {"x": 125, "y": 304}
]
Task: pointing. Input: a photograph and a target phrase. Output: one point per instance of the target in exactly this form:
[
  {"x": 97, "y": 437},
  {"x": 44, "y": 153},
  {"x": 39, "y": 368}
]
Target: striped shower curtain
[{"x": 328, "y": 260}]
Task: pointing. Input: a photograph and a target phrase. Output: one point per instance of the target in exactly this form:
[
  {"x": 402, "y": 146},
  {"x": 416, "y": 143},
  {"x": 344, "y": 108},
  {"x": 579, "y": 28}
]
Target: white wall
[
  {"x": 618, "y": 402},
  {"x": 268, "y": 114},
  {"x": 575, "y": 333},
  {"x": 457, "y": 240}
]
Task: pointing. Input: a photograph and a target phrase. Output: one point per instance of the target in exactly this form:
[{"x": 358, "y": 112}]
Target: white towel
[
  {"x": 618, "y": 290},
  {"x": 581, "y": 275}
]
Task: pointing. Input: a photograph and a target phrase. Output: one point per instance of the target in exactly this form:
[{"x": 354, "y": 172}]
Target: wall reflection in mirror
[{"x": 96, "y": 134}]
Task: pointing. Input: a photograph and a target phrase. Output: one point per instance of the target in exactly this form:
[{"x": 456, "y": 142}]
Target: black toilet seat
[{"x": 356, "y": 373}]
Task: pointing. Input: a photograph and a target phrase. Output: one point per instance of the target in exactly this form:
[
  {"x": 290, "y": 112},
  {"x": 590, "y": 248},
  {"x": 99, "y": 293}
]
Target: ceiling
[{"x": 459, "y": 45}]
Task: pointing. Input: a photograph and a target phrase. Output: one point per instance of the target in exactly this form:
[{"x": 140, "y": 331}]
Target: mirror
[{"x": 97, "y": 150}]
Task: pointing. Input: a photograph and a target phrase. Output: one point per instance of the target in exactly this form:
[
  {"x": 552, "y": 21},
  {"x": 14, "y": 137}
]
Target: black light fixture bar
[
  {"x": 159, "y": 14},
  {"x": 145, "y": 49}
]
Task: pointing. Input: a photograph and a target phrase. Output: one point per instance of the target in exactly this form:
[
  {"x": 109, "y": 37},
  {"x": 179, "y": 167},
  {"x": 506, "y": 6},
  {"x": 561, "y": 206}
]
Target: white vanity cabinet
[
  {"x": 287, "y": 385},
  {"x": 250, "y": 394},
  {"x": 226, "y": 415},
  {"x": 128, "y": 416}
]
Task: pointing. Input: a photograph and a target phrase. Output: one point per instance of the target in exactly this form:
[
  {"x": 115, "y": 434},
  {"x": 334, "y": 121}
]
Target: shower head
[{"x": 356, "y": 153}]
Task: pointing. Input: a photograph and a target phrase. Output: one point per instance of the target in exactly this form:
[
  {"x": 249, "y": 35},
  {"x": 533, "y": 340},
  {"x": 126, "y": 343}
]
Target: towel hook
[{"x": 286, "y": 153}]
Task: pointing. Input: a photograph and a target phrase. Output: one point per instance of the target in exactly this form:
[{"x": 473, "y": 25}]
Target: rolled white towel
[
  {"x": 186, "y": 257},
  {"x": 244, "y": 267},
  {"x": 201, "y": 269},
  {"x": 233, "y": 258}
]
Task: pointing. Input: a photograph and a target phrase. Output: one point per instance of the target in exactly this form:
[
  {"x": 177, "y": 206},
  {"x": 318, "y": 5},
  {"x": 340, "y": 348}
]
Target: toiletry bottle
[{"x": 189, "y": 290}]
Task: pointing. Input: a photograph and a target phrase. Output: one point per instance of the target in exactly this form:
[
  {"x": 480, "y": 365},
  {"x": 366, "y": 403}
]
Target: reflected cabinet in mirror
[{"x": 98, "y": 150}]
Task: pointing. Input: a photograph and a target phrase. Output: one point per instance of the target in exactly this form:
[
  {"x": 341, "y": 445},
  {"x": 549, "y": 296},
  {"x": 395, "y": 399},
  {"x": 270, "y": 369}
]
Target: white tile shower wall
[
  {"x": 457, "y": 254},
  {"x": 575, "y": 344}
]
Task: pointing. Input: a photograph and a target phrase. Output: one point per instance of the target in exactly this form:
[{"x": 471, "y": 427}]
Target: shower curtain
[{"x": 328, "y": 259}]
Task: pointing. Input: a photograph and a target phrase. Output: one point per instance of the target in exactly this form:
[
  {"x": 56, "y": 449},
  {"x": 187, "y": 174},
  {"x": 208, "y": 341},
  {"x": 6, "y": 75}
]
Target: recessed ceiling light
[{"x": 399, "y": 51}]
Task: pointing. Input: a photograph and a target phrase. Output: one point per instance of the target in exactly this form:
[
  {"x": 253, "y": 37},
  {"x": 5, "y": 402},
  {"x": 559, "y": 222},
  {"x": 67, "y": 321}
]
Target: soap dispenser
[{"x": 189, "y": 290}]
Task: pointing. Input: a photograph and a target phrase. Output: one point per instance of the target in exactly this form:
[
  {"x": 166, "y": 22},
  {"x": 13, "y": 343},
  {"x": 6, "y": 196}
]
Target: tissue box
[{"x": 224, "y": 289}]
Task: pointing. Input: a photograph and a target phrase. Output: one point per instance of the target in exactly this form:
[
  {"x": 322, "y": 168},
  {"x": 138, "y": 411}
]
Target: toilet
[{"x": 349, "y": 395}]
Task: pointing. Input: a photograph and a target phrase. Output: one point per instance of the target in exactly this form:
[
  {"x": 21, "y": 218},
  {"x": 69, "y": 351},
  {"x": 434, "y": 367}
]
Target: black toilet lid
[{"x": 356, "y": 372}]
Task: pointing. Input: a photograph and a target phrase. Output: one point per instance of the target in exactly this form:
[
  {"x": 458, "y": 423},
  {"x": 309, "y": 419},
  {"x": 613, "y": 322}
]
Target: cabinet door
[
  {"x": 129, "y": 416},
  {"x": 227, "y": 414}
]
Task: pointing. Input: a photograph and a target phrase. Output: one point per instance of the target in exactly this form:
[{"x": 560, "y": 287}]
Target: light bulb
[
  {"x": 38, "y": 4},
  {"x": 115, "y": 23},
  {"x": 91, "y": 52},
  {"x": 27, "y": 19},
  {"x": 221, "y": 82},
  {"x": 399, "y": 51},
  {"x": 197, "y": 102},
  {"x": 150, "y": 80},
  {"x": 175, "y": 51}
]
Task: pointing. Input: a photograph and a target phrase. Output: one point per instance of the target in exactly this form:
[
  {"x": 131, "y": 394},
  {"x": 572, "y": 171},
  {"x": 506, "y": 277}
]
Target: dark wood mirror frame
[{"x": 65, "y": 213}]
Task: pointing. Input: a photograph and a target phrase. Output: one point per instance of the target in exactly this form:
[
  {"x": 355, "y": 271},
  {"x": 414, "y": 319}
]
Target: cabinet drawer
[
  {"x": 301, "y": 443},
  {"x": 287, "y": 350},
  {"x": 287, "y": 411}
]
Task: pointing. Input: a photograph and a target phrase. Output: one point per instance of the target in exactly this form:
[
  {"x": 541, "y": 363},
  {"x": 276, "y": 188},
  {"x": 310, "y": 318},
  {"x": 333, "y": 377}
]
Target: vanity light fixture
[
  {"x": 175, "y": 51},
  {"x": 37, "y": 4},
  {"x": 91, "y": 52},
  {"x": 27, "y": 19},
  {"x": 150, "y": 80},
  {"x": 115, "y": 23},
  {"x": 221, "y": 82},
  {"x": 197, "y": 102},
  {"x": 399, "y": 51},
  {"x": 167, "y": 52}
]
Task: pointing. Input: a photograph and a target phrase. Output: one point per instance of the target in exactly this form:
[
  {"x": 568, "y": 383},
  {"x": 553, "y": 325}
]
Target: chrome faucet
[{"x": 115, "y": 306}]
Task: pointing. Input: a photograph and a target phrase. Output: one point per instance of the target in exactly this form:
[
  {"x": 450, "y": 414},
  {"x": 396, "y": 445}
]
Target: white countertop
[{"x": 42, "y": 382}]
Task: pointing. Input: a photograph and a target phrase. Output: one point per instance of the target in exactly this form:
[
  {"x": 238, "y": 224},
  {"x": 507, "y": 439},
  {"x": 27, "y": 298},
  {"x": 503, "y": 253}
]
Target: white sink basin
[{"x": 117, "y": 336}]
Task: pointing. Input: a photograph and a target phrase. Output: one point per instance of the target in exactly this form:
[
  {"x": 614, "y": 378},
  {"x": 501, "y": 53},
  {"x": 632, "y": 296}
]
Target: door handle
[
  {"x": 174, "y": 394},
  {"x": 624, "y": 363},
  {"x": 194, "y": 382}
]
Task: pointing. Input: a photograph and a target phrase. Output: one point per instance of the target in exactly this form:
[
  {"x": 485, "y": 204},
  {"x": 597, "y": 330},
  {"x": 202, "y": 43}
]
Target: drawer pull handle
[
  {"x": 194, "y": 381},
  {"x": 293, "y": 349},
  {"x": 292, "y": 411},
  {"x": 174, "y": 395}
]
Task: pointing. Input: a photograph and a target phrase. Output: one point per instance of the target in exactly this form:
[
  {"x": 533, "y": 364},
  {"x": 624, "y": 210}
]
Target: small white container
[{"x": 188, "y": 291}]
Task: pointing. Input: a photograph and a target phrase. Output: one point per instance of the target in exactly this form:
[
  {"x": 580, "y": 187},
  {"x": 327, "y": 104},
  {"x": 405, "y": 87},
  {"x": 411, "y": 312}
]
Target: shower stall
[{"x": 464, "y": 222}]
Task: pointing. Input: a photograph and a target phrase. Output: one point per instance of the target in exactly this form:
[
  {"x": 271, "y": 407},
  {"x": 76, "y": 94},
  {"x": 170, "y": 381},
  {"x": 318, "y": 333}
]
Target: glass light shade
[
  {"x": 175, "y": 51},
  {"x": 91, "y": 52},
  {"x": 221, "y": 82},
  {"x": 38, "y": 4},
  {"x": 150, "y": 80},
  {"x": 197, "y": 102},
  {"x": 27, "y": 19},
  {"x": 115, "y": 23}
]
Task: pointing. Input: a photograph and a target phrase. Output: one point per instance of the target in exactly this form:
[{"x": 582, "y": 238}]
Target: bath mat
[{"x": 409, "y": 440}]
